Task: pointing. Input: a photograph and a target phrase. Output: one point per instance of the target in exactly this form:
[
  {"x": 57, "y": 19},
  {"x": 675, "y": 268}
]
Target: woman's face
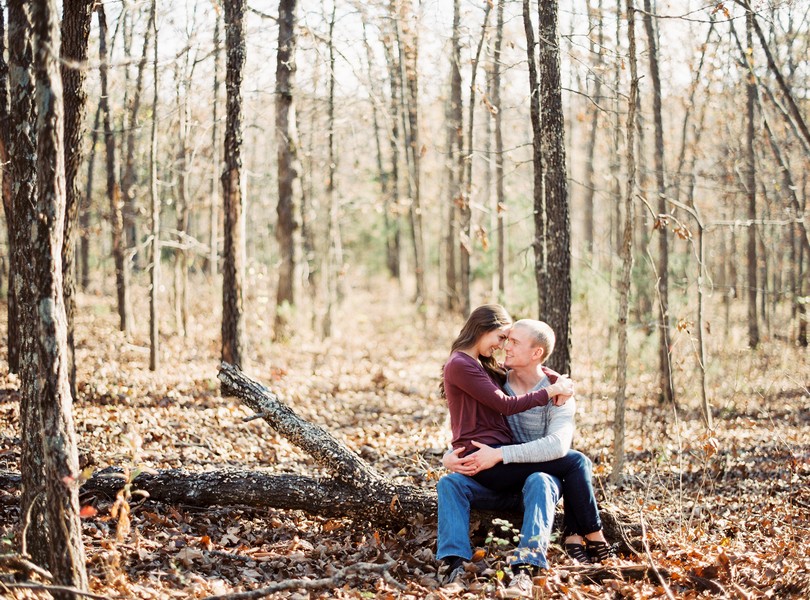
[{"x": 492, "y": 341}]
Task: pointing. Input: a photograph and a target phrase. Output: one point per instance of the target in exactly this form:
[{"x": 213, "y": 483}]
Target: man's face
[
  {"x": 492, "y": 341},
  {"x": 520, "y": 352}
]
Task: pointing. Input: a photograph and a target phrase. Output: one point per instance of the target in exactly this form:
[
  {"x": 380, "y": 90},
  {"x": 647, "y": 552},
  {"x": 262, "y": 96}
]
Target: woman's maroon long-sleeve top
[{"x": 478, "y": 407}]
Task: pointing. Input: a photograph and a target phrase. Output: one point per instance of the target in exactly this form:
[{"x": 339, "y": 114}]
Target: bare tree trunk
[
  {"x": 154, "y": 317},
  {"x": 234, "y": 249},
  {"x": 627, "y": 256},
  {"x": 87, "y": 204},
  {"x": 539, "y": 243},
  {"x": 333, "y": 257},
  {"x": 52, "y": 394},
  {"x": 393, "y": 212},
  {"x": 113, "y": 189},
  {"x": 455, "y": 166},
  {"x": 500, "y": 198},
  {"x": 23, "y": 177},
  {"x": 131, "y": 133},
  {"x": 5, "y": 138},
  {"x": 285, "y": 149},
  {"x": 213, "y": 219},
  {"x": 75, "y": 35},
  {"x": 557, "y": 224},
  {"x": 664, "y": 364},
  {"x": 751, "y": 182},
  {"x": 465, "y": 212},
  {"x": 384, "y": 175},
  {"x": 408, "y": 54},
  {"x": 595, "y": 19}
]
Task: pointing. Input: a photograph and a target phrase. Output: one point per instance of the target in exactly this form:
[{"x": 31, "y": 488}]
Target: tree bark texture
[
  {"x": 76, "y": 17},
  {"x": 556, "y": 286},
  {"x": 23, "y": 176},
  {"x": 113, "y": 188},
  {"x": 233, "y": 251},
  {"x": 55, "y": 432},
  {"x": 664, "y": 365},
  {"x": 285, "y": 152}
]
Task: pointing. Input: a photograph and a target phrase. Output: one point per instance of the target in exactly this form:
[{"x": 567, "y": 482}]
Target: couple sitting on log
[{"x": 512, "y": 429}]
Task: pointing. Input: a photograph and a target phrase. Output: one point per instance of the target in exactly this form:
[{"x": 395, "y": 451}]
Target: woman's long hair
[{"x": 481, "y": 321}]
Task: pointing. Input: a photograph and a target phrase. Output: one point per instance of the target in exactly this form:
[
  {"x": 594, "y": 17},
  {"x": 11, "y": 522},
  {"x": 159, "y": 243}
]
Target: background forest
[{"x": 334, "y": 185}]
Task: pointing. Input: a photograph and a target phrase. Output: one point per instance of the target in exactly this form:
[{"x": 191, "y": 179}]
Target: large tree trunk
[
  {"x": 51, "y": 392},
  {"x": 75, "y": 35},
  {"x": 557, "y": 283},
  {"x": 664, "y": 364},
  {"x": 23, "y": 175},
  {"x": 113, "y": 188}
]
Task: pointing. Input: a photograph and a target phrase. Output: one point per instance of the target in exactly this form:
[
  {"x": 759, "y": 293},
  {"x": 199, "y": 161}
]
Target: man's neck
[{"x": 525, "y": 378}]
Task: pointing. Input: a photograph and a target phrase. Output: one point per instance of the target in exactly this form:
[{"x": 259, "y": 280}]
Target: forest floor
[{"x": 725, "y": 513}]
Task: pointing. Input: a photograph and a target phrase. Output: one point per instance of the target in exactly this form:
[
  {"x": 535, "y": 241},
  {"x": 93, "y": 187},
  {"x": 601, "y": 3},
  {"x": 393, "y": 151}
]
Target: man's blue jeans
[{"x": 458, "y": 493}]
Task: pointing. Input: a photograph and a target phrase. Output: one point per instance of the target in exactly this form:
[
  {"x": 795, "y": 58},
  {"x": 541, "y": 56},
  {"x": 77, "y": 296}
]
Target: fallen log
[{"x": 356, "y": 489}]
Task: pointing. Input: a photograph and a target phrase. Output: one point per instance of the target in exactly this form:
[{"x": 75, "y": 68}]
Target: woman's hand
[
  {"x": 561, "y": 390},
  {"x": 484, "y": 458}
]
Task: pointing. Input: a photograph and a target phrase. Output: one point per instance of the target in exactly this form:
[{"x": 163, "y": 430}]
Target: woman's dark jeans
[{"x": 573, "y": 469}]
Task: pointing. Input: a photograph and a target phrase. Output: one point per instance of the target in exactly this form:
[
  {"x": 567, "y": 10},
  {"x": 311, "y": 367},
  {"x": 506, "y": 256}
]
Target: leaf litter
[{"x": 726, "y": 512}]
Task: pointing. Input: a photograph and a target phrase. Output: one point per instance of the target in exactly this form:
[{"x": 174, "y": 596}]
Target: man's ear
[{"x": 539, "y": 353}]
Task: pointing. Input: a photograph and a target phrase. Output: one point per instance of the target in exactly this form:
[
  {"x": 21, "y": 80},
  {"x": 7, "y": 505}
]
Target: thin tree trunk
[
  {"x": 12, "y": 343},
  {"x": 154, "y": 317},
  {"x": 465, "y": 211},
  {"x": 87, "y": 203},
  {"x": 75, "y": 35},
  {"x": 664, "y": 364},
  {"x": 539, "y": 243},
  {"x": 285, "y": 149},
  {"x": 595, "y": 19},
  {"x": 23, "y": 176},
  {"x": 395, "y": 245},
  {"x": 500, "y": 198},
  {"x": 113, "y": 188},
  {"x": 616, "y": 160},
  {"x": 455, "y": 166},
  {"x": 557, "y": 284},
  {"x": 406, "y": 44},
  {"x": 627, "y": 255},
  {"x": 234, "y": 249},
  {"x": 750, "y": 182},
  {"x": 333, "y": 257},
  {"x": 61, "y": 462},
  {"x": 131, "y": 133},
  {"x": 213, "y": 255}
]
